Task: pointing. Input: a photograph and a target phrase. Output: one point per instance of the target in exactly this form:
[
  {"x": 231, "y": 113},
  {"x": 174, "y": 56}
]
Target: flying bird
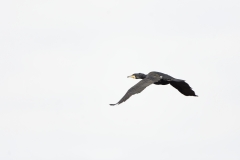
[{"x": 157, "y": 78}]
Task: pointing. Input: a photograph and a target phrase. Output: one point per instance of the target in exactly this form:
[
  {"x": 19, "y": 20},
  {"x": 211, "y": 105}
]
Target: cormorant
[{"x": 156, "y": 78}]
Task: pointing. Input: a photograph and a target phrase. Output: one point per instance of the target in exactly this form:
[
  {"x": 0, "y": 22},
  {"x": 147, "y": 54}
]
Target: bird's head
[{"x": 137, "y": 76}]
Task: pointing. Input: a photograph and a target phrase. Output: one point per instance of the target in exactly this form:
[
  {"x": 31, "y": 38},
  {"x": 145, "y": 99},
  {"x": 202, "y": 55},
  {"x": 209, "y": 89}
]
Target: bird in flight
[{"x": 157, "y": 78}]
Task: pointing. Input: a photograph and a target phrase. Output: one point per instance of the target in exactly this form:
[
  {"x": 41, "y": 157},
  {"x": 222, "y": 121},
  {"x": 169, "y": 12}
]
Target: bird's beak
[{"x": 132, "y": 76}]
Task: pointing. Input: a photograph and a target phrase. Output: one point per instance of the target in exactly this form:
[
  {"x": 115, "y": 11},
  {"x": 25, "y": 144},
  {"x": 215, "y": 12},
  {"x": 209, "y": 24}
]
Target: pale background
[{"x": 63, "y": 62}]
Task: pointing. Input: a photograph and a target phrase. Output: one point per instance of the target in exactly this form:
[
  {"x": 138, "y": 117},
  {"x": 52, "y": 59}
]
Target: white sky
[{"x": 63, "y": 62}]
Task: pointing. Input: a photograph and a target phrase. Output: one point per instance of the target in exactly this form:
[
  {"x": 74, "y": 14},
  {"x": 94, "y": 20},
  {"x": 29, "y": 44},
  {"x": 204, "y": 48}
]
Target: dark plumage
[{"x": 157, "y": 78}]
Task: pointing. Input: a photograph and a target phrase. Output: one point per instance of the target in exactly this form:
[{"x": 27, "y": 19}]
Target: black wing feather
[
  {"x": 183, "y": 87},
  {"x": 137, "y": 88}
]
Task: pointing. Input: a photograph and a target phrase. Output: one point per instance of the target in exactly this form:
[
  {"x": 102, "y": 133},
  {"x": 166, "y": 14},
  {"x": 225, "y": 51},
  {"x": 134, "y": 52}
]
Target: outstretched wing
[
  {"x": 183, "y": 87},
  {"x": 137, "y": 88}
]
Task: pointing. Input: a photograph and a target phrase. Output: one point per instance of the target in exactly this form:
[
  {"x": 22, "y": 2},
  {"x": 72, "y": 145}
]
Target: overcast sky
[{"x": 63, "y": 62}]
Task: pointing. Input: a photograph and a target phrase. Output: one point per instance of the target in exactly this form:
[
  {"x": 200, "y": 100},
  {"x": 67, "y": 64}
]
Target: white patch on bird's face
[{"x": 132, "y": 76}]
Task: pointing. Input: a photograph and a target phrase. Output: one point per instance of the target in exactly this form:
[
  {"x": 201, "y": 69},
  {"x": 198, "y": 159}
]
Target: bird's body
[{"x": 157, "y": 78}]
